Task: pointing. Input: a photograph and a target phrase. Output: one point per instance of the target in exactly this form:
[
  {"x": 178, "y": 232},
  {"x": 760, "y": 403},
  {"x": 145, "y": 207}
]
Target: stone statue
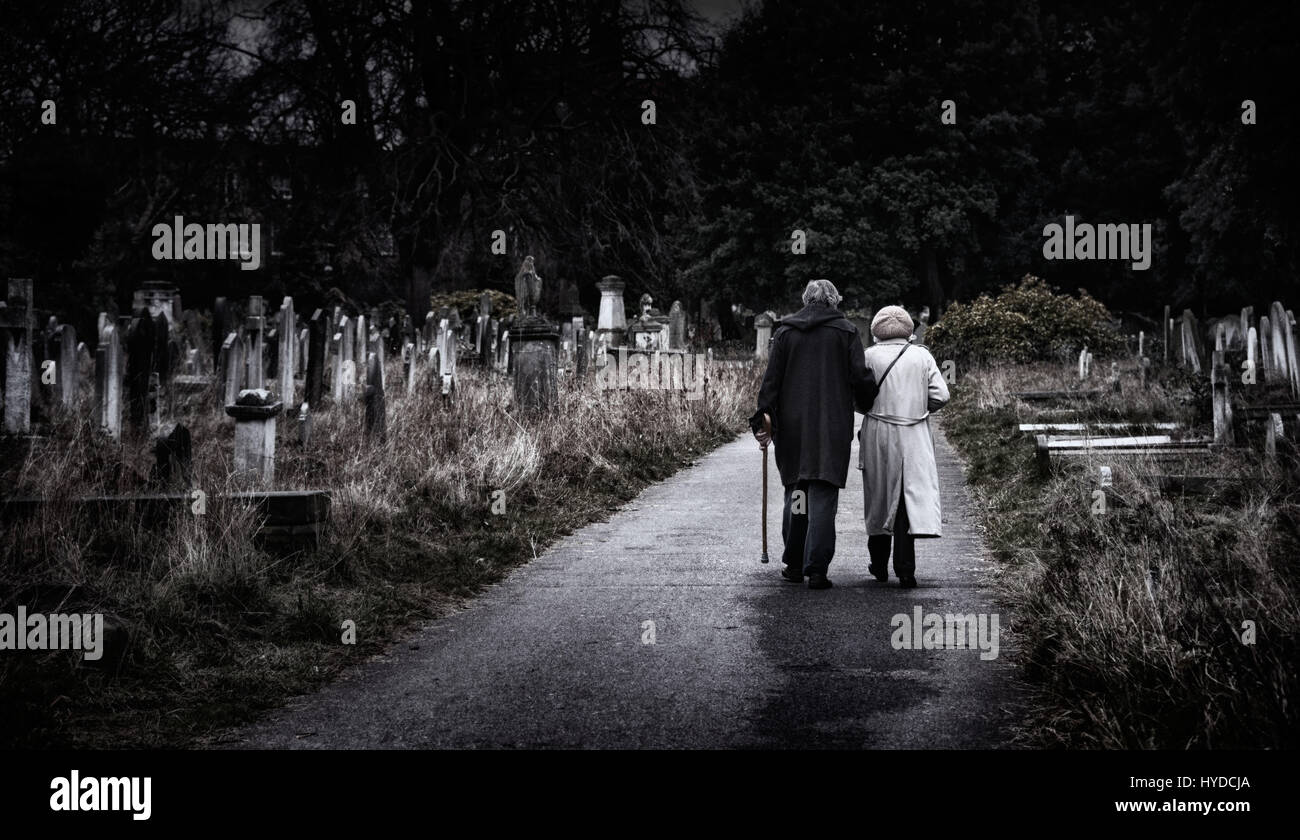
[
  {"x": 646, "y": 302},
  {"x": 528, "y": 290}
]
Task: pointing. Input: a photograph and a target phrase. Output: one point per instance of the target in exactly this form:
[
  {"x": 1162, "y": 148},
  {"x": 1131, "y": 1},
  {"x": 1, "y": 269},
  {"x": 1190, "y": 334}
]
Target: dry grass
[
  {"x": 1131, "y": 621},
  {"x": 220, "y": 629}
]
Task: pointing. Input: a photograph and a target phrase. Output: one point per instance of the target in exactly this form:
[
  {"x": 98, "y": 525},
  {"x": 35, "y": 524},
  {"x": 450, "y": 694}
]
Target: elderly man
[{"x": 816, "y": 375}]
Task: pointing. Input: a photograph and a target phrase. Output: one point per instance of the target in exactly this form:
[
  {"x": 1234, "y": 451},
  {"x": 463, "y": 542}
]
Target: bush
[{"x": 1026, "y": 322}]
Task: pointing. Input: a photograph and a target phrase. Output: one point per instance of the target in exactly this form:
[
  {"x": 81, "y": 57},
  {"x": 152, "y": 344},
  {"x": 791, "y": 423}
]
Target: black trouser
[
  {"x": 810, "y": 535},
  {"x": 904, "y": 545}
]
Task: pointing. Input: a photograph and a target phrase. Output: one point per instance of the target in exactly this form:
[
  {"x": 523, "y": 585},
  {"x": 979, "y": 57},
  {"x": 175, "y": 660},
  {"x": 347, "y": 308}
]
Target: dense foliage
[{"x": 1026, "y": 321}]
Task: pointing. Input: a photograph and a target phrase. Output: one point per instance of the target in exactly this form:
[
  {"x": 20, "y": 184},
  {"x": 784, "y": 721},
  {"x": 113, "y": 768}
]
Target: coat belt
[{"x": 895, "y": 420}]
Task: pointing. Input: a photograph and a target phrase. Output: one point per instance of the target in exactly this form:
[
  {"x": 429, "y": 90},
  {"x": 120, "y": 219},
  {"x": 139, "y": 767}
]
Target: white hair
[{"x": 821, "y": 292}]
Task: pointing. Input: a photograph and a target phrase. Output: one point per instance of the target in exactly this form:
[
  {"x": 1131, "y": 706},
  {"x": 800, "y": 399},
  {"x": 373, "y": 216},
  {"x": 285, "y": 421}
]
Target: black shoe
[
  {"x": 879, "y": 573},
  {"x": 792, "y": 575},
  {"x": 908, "y": 582},
  {"x": 819, "y": 581}
]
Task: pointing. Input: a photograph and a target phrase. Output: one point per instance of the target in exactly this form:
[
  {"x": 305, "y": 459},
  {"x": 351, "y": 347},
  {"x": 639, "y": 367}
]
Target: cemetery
[
  {"x": 1143, "y": 521},
  {"x": 385, "y": 375},
  {"x": 323, "y": 463}
]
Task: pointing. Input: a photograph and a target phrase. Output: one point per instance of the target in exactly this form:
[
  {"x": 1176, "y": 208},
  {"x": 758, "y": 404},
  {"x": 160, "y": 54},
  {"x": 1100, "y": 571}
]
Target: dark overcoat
[{"x": 816, "y": 375}]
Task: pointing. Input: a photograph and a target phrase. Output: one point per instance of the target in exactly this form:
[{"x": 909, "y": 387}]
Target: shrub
[{"x": 1025, "y": 322}]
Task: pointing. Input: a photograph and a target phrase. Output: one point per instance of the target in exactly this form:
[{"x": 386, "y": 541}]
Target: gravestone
[
  {"x": 315, "y": 377},
  {"x": 535, "y": 350},
  {"x": 1168, "y": 325},
  {"x": 360, "y": 343},
  {"x": 17, "y": 322},
  {"x": 141, "y": 342},
  {"x": 173, "y": 456},
  {"x": 232, "y": 373},
  {"x": 448, "y": 351},
  {"x": 1191, "y": 352},
  {"x": 1252, "y": 363},
  {"x": 255, "y": 413},
  {"x": 1144, "y": 369},
  {"x": 676, "y": 326},
  {"x": 1142, "y": 344},
  {"x": 254, "y": 325},
  {"x": 69, "y": 372},
  {"x": 304, "y": 424},
  {"x": 1114, "y": 377},
  {"x": 346, "y": 389},
  {"x": 1084, "y": 359},
  {"x": 1273, "y": 432},
  {"x": 1219, "y": 375},
  {"x": 110, "y": 367},
  {"x": 410, "y": 359},
  {"x": 1266, "y": 349},
  {"x": 222, "y": 324},
  {"x": 763, "y": 334},
  {"x": 611, "y": 323},
  {"x": 376, "y": 415},
  {"x": 163, "y": 366}
]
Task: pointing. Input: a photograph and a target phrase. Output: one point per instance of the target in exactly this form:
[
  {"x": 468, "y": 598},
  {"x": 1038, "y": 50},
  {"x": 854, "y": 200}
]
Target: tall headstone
[
  {"x": 346, "y": 389},
  {"x": 222, "y": 324},
  {"x": 254, "y": 325},
  {"x": 1191, "y": 351},
  {"x": 676, "y": 326},
  {"x": 1252, "y": 362},
  {"x": 336, "y": 372},
  {"x": 1266, "y": 349},
  {"x": 315, "y": 376},
  {"x": 1219, "y": 375},
  {"x": 232, "y": 355},
  {"x": 376, "y": 416},
  {"x": 447, "y": 352},
  {"x": 1168, "y": 324},
  {"x": 1144, "y": 369},
  {"x": 141, "y": 343},
  {"x": 69, "y": 371},
  {"x": 1278, "y": 323},
  {"x": 109, "y": 370},
  {"x": 410, "y": 361},
  {"x": 1273, "y": 432},
  {"x": 1083, "y": 362},
  {"x": 17, "y": 320},
  {"x": 763, "y": 334}
]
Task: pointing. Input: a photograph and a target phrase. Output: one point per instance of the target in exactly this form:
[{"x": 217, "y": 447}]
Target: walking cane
[{"x": 764, "y": 504}]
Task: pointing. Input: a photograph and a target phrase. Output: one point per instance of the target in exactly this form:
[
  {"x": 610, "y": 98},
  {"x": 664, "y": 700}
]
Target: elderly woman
[{"x": 900, "y": 483}]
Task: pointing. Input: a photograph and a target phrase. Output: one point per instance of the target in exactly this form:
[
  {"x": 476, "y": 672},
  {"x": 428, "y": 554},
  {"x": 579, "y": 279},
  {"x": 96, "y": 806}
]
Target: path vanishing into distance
[{"x": 555, "y": 654}]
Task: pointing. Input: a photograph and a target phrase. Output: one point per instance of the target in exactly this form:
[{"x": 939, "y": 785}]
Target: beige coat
[{"x": 896, "y": 444}]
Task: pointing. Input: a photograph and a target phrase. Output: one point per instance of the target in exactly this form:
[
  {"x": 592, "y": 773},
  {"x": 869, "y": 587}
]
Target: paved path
[{"x": 553, "y": 656}]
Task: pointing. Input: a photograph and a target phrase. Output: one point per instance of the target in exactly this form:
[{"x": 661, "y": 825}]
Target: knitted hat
[{"x": 891, "y": 322}]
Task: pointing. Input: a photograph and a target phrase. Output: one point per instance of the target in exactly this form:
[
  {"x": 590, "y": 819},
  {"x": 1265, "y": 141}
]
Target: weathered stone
[
  {"x": 1219, "y": 375},
  {"x": 232, "y": 355},
  {"x": 611, "y": 323},
  {"x": 255, "y": 420},
  {"x": 254, "y": 326},
  {"x": 315, "y": 380},
  {"x": 376, "y": 411},
  {"x": 536, "y": 357},
  {"x": 763, "y": 334},
  {"x": 69, "y": 371}
]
